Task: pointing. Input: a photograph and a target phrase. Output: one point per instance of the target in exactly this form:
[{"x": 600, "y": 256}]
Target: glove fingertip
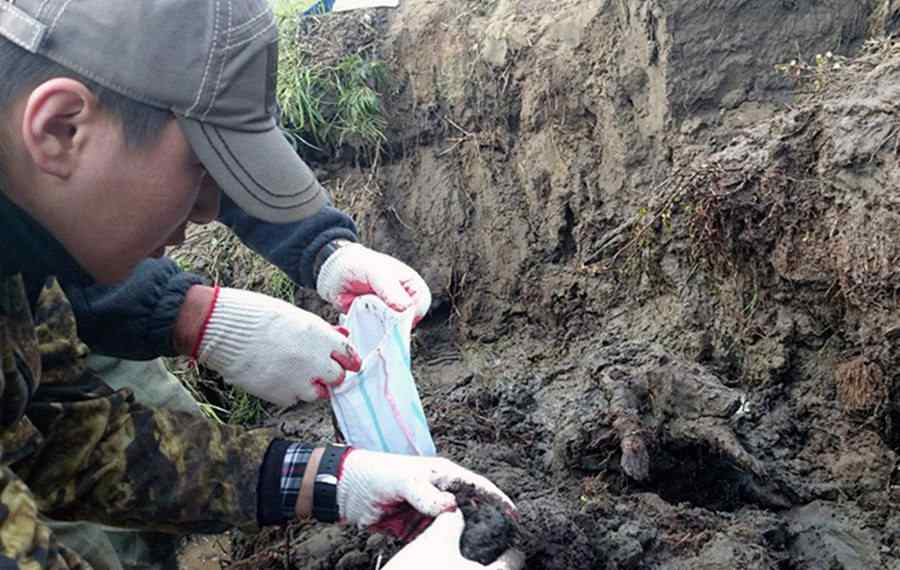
[
  {"x": 397, "y": 305},
  {"x": 349, "y": 361},
  {"x": 446, "y": 502},
  {"x": 394, "y": 295},
  {"x": 344, "y": 301},
  {"x": 428, "y": 500},
  {"x": 422, "y": 309},
  {"x": 355, "y": 359},
  {"x": 321, "y": 390}
]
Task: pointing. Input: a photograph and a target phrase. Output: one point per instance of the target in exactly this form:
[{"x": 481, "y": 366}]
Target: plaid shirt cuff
[
  {"x": 279, "y": 481},
  {"x": 296, "y": 457}
]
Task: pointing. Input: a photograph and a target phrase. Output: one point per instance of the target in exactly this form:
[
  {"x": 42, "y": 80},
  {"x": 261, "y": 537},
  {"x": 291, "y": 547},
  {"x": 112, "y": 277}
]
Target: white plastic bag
[{"x": 379, "y": 408}]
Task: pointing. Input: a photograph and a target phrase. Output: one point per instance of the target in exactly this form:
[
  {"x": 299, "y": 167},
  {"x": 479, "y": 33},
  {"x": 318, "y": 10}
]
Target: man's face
[
  {"x": 143, "y": 200},
  {"x": 154, "y": 191},
  {"x": 109, "y": 204}
]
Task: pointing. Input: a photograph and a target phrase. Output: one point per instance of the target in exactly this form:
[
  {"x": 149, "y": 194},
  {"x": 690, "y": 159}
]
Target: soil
[
  {"x": 205, "y": 553},
  {"x": 665, "y": 275},
  {"x": 490, "y": 530}
]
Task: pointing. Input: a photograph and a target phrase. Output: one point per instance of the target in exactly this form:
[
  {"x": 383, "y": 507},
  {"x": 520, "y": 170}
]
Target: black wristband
[
  {"x": 269, "y": 511},
  {"x": 327, "y": 251},
  {"x": 325, "y": 505}
]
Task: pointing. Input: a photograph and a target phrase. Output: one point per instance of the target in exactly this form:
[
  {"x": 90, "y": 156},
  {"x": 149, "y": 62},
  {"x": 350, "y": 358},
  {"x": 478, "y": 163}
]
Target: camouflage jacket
[{"x": 73, "y": 449}]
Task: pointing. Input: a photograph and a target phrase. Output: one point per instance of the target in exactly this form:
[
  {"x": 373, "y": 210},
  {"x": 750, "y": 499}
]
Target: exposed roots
[{"x": 861, "y": 386}]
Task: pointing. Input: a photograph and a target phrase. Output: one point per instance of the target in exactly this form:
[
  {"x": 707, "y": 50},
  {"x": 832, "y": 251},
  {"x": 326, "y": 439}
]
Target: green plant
[
  {"x": 358, "y": 110},
  {"x": 327, "y": 104},
  {"x": 245, "y": 410},
  {"x": 188, "y": 373},
  {"x": 817, "y": 73},
  {"x": 289, "y": 8},
  {"x": 279, "y": 285}
]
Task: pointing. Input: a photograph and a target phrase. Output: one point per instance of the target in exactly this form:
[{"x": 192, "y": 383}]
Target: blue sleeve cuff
[
  {"x": 291, "y": 247},
  {"x": 136, "y": 318}
]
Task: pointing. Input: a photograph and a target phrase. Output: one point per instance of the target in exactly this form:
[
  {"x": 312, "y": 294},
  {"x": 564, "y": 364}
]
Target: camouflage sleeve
[
  {"x": 107, "y": 459},
  {"x": 25, "y": 542}
]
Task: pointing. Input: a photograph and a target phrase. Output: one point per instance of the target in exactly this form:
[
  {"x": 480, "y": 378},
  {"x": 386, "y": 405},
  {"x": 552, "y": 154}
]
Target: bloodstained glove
[{"x": 400, "y": 494}]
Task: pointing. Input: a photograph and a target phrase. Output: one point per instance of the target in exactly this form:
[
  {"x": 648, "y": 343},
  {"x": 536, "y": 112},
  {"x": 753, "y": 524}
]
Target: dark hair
[{"x": 23, "y": 70}]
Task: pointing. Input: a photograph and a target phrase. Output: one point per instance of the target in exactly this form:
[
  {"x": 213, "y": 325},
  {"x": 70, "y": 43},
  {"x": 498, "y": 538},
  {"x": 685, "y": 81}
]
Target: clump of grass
[
  {"x": 218, "y": 401},
  {"x": 246, "y": 410},
  {"x": 291, "y": 8},
  {"x": 326, "y": 105},
  {"x": 832, "y": 74}
]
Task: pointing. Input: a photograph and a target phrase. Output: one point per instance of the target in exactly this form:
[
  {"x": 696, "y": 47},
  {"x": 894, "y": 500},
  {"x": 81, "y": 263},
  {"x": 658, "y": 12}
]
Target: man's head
[
  {"x": 112, "y": 178},
  {"x": 125, "y": 118}
]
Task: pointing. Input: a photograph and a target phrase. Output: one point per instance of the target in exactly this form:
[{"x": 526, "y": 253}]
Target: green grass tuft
[
  {"x": 328, "y": 105},
  {"x": 246, "y": 410}
]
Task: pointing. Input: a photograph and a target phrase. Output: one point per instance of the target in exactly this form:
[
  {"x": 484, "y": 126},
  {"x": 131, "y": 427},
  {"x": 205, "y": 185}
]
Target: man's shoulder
[
  {"x": 17, "y": 335},
  {"x": 61, "y": 350},
  {"x": 20, "y": 368},
  {"x": 38, "y": 341}
]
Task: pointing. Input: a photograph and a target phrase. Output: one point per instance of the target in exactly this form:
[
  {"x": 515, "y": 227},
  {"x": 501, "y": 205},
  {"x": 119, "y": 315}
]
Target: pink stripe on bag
[{"x": 395, "y": 410}]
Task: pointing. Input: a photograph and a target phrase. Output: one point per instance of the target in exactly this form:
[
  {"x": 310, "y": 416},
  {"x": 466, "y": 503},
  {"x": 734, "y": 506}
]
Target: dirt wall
[
  {"x": 665, "y": 308},
  {"x": 525, "y": 134}
]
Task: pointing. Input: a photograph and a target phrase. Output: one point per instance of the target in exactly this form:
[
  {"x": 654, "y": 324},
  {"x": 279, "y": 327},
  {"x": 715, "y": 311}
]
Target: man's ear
[{"x": 54, "y": 124}]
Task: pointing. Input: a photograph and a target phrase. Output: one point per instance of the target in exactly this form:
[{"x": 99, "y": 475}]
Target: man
[
  {"x": 127, "y": 324},
  {"x": 87, "y": 194},
  {"x": 133, "y": 322}
]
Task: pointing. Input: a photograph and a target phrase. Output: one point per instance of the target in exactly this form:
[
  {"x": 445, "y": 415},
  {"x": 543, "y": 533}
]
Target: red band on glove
[
  {"x": 340, "y": 469},
  {"x": 206, "y": 320}
]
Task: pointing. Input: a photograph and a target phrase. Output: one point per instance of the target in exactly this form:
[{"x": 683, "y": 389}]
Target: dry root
[{"x": 861, "y": 386}]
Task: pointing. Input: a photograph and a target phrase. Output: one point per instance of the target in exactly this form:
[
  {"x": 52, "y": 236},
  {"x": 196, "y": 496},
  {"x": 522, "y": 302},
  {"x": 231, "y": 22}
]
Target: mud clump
[
  {"x": 490, "y": 531},
  {"x": 543, "y": 529},
  {"x": 557, "y": 537}
]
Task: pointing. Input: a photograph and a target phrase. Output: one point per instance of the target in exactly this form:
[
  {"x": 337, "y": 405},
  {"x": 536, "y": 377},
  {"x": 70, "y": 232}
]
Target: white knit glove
[
  {"x": 354, "y": 270},
  {"x": 375, "y": 489},
  {"x": 274, "y": 350},
  {"x": 438, "y": 547}
]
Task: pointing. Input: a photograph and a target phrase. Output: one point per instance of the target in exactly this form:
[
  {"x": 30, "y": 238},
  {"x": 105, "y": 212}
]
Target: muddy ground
[{"x": 665, "y": 273}]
